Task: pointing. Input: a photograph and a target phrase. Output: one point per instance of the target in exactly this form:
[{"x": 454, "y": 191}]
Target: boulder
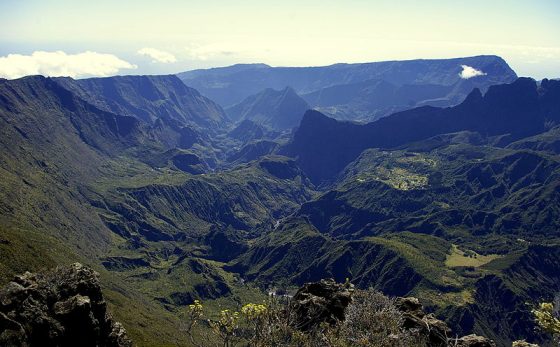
[
  {"x": 435, "y": 332},
  {"x": 410, "y": 305},
  {"x": 474, "y": 341},
  {"x": 64, "y": 307},
  {"x": 321, "y": 302},
  {"x": 427, "y": 327}
]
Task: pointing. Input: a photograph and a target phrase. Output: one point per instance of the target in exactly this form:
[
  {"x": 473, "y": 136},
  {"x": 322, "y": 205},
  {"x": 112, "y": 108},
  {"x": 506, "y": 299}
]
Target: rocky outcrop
[
  {"x": 64, "y": 307},
  {"x": 523, "y": 343},
  {"x": 326, "y": 302},
  {"x": 321, "y": 302},
  {"x": 474, "y": 341},
  {"x": 435, "y": 332}
]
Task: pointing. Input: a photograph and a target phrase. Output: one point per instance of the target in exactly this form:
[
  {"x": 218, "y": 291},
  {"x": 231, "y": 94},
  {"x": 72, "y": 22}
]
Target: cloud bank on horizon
[
  {"x": 59, "y": 63},
  {"x": 157, "y": 56},
  {"x": 171, "y": 35},
  {"x": 470, "y": 72},
  {"x": 93, "y": 64}
]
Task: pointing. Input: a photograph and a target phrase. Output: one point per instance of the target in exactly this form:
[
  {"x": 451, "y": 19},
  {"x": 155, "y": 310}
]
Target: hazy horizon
[{"x": 60, "y": 37}]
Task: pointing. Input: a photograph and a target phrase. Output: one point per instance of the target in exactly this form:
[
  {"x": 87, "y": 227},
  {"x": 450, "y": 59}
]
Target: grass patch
[
  {"x": 469, "y": 258},
  {"x": 423, "y": 259},
  {"x": 443, "y": 299},
  {"x": 24, "y": 250},
  {"x": 402, "y": 171}
]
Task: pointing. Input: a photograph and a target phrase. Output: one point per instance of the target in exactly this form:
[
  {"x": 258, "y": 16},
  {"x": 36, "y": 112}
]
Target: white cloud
[
  {"x": 470, "y": 72},
  {"x": 157, "y": 55},
  {"x": 218, "y": 50},
  {"x": 59, "y": 63}
]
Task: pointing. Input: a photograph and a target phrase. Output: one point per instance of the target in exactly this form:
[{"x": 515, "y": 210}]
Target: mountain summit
[{"x": 277, "y": 109}]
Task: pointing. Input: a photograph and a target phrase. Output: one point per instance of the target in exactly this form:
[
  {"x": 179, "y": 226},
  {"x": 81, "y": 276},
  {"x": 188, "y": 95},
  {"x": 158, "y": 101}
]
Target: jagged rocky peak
[
  {"x": 324, "y": 146},
  {"x": 474, "y": 96},
  {"x": 247, "y": 130},
  {"x": 63, "y": 307},
  {"x": 274, "y": 109}
]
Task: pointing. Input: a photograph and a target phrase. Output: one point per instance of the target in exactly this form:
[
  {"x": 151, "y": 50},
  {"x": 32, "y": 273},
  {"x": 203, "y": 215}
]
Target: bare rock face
[
  {"x": 321, "y": 302},
  {"x": 474, "y": 341},
  {"x": 435, "y": 332},
  {"x": 64, "y": 307}
]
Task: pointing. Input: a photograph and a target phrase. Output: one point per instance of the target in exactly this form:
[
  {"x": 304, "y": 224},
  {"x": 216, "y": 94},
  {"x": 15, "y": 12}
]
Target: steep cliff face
[
  {"x": 149, "y": 98},
  {"x": 53, "y": 142},
  {"x": 63, "y": 307}
]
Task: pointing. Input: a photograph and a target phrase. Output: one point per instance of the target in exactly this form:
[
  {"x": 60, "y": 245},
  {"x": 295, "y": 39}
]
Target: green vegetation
[
  {"x": 425, "y": 261},
  {"x": 397, "y": 178},
  {"x": 399, "y": 172},
  {"x": 452, "y": 220},
  {"x": 458, "y": 258},
  {"x": 547, "y": 318},
  {"x": 27, "y": 250},
  {"x": 372, "y": 320},
  {"x": 74, "y": 189}
]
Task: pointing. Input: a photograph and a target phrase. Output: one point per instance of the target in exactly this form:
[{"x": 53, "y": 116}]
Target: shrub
[
  {"x": 548, "y": 318},
  {"x": 372, "y": 319}
]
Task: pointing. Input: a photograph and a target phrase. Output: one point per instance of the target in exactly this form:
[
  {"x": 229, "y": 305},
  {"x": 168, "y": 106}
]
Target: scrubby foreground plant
[
  {"x": 372, "y": 319},
  {"x": 547, "y": 315}
]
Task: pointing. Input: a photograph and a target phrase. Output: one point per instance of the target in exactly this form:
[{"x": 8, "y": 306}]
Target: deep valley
[{"x": 225, "y": 184}]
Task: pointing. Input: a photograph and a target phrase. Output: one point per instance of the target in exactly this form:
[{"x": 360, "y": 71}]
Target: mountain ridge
[
  {"x": 518, "y": 109},
  {"x": 230, "y": 85},
  {"x": 149, "y": 98}
]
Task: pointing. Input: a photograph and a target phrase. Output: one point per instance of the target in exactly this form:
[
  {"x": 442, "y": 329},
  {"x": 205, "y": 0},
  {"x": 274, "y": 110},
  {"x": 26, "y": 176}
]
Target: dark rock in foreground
[
  {"x": 435, "y": 332},
  {"x": 326, "y": 302},
  {"x": 321, "y": 302},
  {"x": 64, "y": 307},
  {"x": 474, "y": 341}
]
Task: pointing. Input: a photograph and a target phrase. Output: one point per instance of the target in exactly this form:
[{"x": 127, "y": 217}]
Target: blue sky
[{"x": 101, "y": 37}]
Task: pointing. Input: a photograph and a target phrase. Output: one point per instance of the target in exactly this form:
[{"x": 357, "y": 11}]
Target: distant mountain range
[{"x": 362, "y": 92}]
